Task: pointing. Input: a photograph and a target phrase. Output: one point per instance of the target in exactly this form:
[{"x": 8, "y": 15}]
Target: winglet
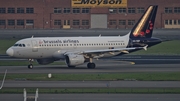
[{"x": 145, "y": 47}]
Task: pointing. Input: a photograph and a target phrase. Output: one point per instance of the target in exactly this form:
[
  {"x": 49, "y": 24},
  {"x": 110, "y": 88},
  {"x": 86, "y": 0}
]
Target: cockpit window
[
  {"x": 23, "y": 45},
  {"x": 19, "y": 45},
  {"x": 16, "y": 45}
]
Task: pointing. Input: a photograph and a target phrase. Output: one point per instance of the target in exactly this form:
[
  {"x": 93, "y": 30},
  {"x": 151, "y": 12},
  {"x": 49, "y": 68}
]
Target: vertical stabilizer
[{"x": 144, "y": 27}]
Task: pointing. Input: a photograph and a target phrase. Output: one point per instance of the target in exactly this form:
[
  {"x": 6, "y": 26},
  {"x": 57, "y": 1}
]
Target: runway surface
[
  {"x": 92, "y": 84},
  {"x": 95, "y": 97},
  {"x": 164, "y": 34},
  {"x": 130, "y": 63},
  {"x": 101, "y": 68}
]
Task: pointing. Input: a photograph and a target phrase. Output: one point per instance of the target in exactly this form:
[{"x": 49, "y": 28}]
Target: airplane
[{"x": 79, "y": 50}]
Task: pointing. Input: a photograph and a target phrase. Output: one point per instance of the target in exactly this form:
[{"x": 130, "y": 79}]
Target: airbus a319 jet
[{"x": 79, "y": 50}]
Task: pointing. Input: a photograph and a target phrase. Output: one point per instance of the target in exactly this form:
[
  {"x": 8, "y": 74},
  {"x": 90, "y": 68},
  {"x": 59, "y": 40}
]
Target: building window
[
  {"x": 112, "y": 10},
  {"x": 175, "y": 22},
  {"x": 178, "y": 22},
  {"x": 66, "y": 22},
  {"x": 112, "y": 22},
  {"x": 122, "y": 22},
  {"x": 57, "y": 22},
  {"x": 29, "y": 22},
  {"x": 166, "y": 22},
  {"x": 11, "y": 10},
  {"x": 20, "y": 10},
  {"x": 57, "y": 10},
  {"x": 168, "y": 10},
  {"x": 67, "y": 10},
  {"x": 122, "y": 10},
  {"x": 170, "y": 22},
  {"x": 11, "y": 22},
  {"x": 2, "y": 22},
  {"x": 20, "y": 22},
  {"x": 131, "y": 22},
  {"x": 85, "y": 22},
  {"x": 2, "y": 10},
  {"x": 140, "y": 10},
  {"x": 131, "y": 10},
  {"x": 76, "y": 10},
  {"x": 75, "y": 22},
  {"x": 29, "y": 10},
  {"x": 85, "y": 10},
  {"x": 176, "y": 9}
]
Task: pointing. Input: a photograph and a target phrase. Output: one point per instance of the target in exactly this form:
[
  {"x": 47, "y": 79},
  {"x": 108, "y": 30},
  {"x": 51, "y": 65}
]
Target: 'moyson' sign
[{"x": 99, "y": 3}]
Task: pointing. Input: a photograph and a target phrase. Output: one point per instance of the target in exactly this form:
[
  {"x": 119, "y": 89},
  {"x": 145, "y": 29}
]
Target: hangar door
[{"x": 98, "y": 20}]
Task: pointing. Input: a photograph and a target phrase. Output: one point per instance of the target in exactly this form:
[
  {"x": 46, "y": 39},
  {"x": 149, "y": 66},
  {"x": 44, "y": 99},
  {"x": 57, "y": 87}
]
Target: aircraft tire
[
  {"x": 91, "y": 65},
  {"x": 30, "y": 66}
]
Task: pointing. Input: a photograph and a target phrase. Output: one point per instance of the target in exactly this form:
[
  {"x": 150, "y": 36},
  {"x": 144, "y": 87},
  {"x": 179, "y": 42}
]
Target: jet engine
[{"x": 74, "y": 59}]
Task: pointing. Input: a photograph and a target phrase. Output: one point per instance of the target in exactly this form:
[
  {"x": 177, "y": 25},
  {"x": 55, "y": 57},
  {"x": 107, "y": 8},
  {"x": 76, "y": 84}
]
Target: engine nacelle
[
  {"x": 74, "y": 59},
  {"x": 45, "y": 61}
]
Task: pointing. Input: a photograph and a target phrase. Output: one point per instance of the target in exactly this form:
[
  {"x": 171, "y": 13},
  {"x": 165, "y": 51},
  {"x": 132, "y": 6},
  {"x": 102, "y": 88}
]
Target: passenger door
[{"x": 34, "y": 46}]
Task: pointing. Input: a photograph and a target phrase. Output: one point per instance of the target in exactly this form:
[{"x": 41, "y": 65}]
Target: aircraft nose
[{"x": 10, "y": 52}]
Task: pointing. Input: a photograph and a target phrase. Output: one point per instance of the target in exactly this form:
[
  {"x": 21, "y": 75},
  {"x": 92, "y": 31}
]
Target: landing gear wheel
[
  {"x": 91, "y": 65},
  {"x": 30, "y": 66}
]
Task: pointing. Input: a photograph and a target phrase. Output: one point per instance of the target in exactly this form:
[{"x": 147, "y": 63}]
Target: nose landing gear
[{"x": 30, "y": 66}]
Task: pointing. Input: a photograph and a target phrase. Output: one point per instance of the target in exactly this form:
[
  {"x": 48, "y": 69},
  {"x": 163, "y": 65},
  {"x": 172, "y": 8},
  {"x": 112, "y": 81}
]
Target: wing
[{"x": 125, "y": 50}]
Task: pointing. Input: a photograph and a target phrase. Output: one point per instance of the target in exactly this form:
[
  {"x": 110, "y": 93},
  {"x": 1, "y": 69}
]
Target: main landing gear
[
  {"x": 30, "y": 66},
  {"x": 91, "y": 65}
]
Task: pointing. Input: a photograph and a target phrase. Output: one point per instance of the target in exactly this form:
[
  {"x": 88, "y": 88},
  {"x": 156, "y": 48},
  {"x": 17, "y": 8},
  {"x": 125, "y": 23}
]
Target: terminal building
[{"x": 84, "y": 14}]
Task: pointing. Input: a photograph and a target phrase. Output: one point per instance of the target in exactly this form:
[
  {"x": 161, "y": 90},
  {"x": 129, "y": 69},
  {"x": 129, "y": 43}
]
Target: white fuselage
[{"x": 56, "y": 47}]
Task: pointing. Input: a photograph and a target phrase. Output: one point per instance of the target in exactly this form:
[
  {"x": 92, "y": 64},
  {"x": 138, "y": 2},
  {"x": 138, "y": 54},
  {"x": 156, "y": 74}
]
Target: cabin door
[{"x": 34, "y": 46}]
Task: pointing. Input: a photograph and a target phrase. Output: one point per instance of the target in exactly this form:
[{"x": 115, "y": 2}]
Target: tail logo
[{"x": 139, "y": 29}]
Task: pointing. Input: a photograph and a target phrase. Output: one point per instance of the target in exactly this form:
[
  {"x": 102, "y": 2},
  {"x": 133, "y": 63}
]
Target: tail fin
[{"x": 144, "y": 27}]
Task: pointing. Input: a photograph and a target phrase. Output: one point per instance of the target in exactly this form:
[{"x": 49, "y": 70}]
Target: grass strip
[
  {"x": 155, "y": 76},
  {"x": 92, "y": 90},
  {"x": 164, "y": 48}
]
